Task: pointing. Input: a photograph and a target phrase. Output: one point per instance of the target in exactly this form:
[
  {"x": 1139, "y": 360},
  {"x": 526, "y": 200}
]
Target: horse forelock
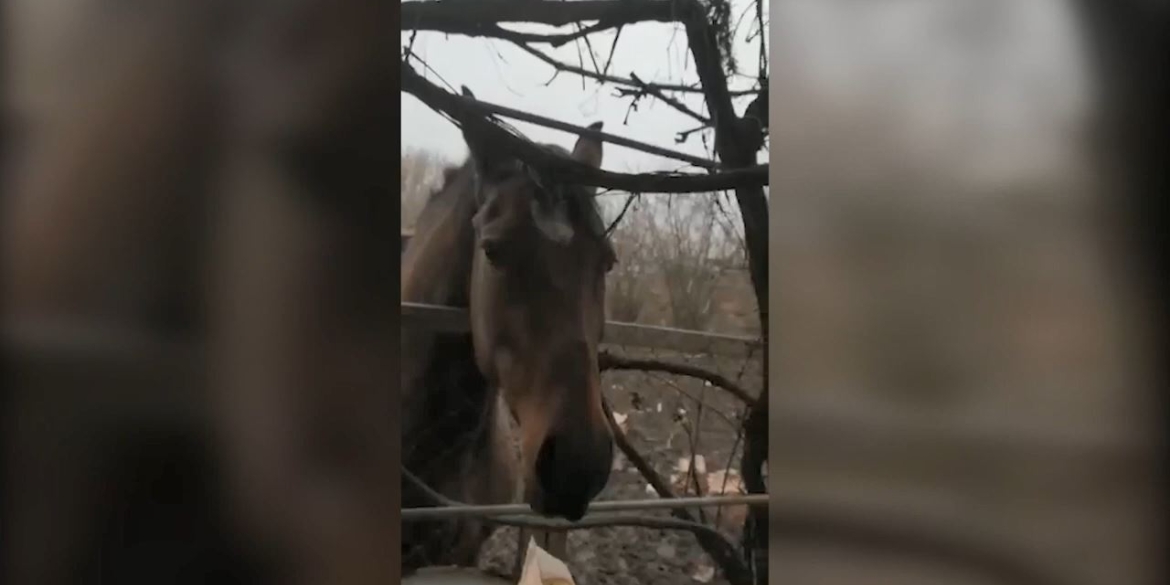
[{"x": 584, "y": 212}]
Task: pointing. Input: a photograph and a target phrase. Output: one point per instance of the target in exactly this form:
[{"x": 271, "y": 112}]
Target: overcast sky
[
  {"x": 1001, "y": 73},
  {"x": 498, "y": 72}
]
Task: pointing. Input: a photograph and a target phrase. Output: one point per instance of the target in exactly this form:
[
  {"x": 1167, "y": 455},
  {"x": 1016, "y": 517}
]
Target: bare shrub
[
  {"x": 422, "y": 171},
  {"x": 689, "y": 244},
  {"x": 630, "y": 281},
  {"x": 675, "y": 249}
]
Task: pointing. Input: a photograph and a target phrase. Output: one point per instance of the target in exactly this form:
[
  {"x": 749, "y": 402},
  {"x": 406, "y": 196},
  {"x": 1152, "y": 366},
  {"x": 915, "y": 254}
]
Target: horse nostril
[
  {"x": 570, "y": 475},
  {"x": 546, "y": 472}
]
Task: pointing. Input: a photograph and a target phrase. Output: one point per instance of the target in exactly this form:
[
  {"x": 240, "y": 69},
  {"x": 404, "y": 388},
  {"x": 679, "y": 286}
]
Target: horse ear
[
  {"x": 588, "y": 150},
  {"x": 488, "y": 161}
]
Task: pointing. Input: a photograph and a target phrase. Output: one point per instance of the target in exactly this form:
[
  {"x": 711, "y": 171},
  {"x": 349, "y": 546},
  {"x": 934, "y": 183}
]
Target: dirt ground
[{"x": 658, "y": 412}]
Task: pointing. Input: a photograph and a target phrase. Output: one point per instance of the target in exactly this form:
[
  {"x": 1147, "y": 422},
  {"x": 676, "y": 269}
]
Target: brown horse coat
[{"x": 528, "y": 256}]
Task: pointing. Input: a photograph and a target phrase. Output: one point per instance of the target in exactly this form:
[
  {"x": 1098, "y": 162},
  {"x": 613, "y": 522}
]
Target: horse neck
[
  {"x": 436, "y": 269},
  {"x": 440, "y": 379}
]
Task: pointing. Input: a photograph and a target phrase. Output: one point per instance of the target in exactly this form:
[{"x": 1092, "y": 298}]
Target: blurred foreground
[
  {"x": 962, "y": 373},
  {"x": 198, "y": 293}
]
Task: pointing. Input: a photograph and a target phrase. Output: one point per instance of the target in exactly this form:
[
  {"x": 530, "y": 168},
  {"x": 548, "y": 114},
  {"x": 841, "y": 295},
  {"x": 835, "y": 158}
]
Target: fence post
[{"x": 556, "y": 542}]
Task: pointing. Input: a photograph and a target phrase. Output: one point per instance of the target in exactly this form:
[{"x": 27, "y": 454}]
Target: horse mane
[
  {"x": 450, "y": 400},
  {"x": 443, "y": 268}
]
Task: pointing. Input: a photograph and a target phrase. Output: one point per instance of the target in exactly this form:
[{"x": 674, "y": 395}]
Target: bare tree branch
[
  {"x": 609, "y": 361},
  {"x": 465, "y": 112},
  {"x": 644, "y": 89},
  {"x": 721, "y": 551},
  {"x": 494, "y": 31},
  {"x": 751, "y": 464},
  {"x": 763, "y": 35},
  {"x": 613, "y": 79},
  {"x": 737, "y": 140},
  {"x": 736, "y": 143},
  {"x": 482, "y": 18},
  {"x": 597, "y": 134}
]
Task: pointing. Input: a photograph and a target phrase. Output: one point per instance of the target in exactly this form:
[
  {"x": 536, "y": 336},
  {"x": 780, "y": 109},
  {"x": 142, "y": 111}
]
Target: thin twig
[
  {"x": 621, "y": 214},
  {"x": 727, "y": 468},
  {"x": 613, "y": 79},
  {"x": 642, "y": 89},
  {"x": 682, "y": 135},
  {"x": 612, "y": 50},
  {"x": 729, "y": 419},
  {"x": 722, "y": 551},
  {"x": 695, "y": 436},
  {"x": 763, "y": 63},
  {"x": 610, "y": 361}
]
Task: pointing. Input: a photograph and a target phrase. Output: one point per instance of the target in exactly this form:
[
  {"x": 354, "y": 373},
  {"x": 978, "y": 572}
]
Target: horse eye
[
  {"x": 608, "y": 263},
  {"x": 609, "y": 257},
  {"x": 502, "y": 251},
  {"x": 494, "y": 250}
]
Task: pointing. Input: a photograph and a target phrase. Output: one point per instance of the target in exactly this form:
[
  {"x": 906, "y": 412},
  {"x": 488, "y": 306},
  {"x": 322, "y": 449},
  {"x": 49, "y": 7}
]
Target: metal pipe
[{"x": 432, "y": 513}]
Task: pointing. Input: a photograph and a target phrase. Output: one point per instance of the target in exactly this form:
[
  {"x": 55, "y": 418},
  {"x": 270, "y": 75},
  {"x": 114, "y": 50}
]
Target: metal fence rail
[
  {"x": 455, "y": 320},
  {"x": 462, "y": 510}
]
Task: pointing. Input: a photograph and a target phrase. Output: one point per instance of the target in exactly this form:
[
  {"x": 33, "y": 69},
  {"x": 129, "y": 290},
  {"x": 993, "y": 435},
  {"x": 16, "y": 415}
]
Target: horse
[
  {"x": 194, "y": 181},
  {"x": 512, "y": 409}
]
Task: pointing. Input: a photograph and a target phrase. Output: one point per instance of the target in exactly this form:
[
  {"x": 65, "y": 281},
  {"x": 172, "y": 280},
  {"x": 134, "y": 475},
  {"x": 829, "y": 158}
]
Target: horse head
[{"x": 537, "y": 303}]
